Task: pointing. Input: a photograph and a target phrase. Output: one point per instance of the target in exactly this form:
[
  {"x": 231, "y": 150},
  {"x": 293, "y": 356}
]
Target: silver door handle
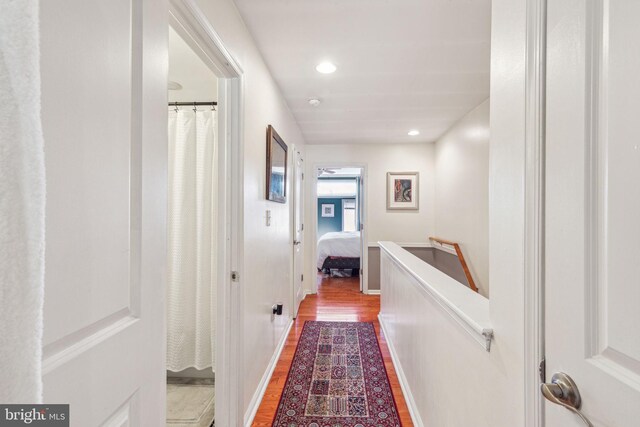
[
  {"x": 563, "y": 391},
  {"x": 296, "y": 242}
]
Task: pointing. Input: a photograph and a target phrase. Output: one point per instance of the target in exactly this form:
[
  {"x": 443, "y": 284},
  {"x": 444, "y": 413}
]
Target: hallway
[{"x": 338, "y": 299}]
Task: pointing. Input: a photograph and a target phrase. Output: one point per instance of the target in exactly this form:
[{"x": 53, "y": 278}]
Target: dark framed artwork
[
  {"x": 402, "y": 191},
  {"x": 276, "y": 167}
]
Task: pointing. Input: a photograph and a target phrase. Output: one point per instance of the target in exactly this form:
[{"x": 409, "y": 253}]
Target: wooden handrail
[{"x": 465, "y": 268}]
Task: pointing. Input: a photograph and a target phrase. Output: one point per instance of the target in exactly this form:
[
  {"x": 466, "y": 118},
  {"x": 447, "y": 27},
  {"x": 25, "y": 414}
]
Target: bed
[{"x": 339, "y": 250}]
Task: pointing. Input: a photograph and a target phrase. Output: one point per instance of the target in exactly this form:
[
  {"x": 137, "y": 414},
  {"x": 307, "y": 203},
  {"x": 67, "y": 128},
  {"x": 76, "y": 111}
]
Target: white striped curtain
[{"x": 192, "y": 236}]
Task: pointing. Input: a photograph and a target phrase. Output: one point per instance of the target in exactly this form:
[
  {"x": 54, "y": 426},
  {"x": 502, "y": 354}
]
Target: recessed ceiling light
[
  {"x": 326, "y": 68},
  {"x": 314, "y": 102},
  {"x": 413, "y": 132}
]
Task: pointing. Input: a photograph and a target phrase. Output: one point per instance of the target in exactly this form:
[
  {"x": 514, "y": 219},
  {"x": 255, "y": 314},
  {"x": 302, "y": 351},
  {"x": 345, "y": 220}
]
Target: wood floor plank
[{"x": 338, "y": 299}]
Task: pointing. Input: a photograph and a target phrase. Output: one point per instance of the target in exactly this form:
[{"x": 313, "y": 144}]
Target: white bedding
[{"x": 340, "y": 244}]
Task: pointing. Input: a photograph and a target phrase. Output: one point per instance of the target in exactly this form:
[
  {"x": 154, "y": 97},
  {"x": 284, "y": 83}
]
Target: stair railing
[{"x": 465, "y": 267}]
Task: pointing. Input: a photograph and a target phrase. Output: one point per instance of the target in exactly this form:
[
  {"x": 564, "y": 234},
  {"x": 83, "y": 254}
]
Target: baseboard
[
  {"x": 446, "y": 249},
  {"x": 250, "y": 414},
  {"x": 404, "y": 385},
  {"x": 372, "y": 292}
]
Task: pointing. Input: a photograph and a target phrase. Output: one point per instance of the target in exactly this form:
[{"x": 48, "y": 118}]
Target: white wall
[
  {"x": 507, "y": 209},
  {"x": 267, "y": 250},
  {"x": 198, "y": 82},
  {"x": 496, "y": 378},
  {"x": 439, "y": 361},
  {"x": 462, "y": 190},
  {"x": 397, "y": 226}
]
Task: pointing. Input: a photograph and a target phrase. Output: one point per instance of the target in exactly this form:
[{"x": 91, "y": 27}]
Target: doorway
[
  {"x": 191, "y": 26},
  {"x": 340, "y": 248},
  {"x": 192, "y": 235}
]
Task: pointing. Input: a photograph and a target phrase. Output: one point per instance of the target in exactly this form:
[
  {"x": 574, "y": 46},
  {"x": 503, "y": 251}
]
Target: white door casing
[
  {"x": 187, "y": 18},
  {"x": 592, "y": 225},
  {"x": 104, "y": 94},
  {"x": 364, "y": 244},
  {"x": 362, "y": 214},
  {"x": 298, "y": 230}
]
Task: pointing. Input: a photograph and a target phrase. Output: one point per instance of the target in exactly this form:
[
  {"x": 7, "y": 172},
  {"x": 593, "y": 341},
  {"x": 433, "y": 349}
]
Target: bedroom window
[{"x": 349, "y": 215}]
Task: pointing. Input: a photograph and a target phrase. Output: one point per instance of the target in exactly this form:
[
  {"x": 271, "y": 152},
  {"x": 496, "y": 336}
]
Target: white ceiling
[{"x": 402, "y": 64}]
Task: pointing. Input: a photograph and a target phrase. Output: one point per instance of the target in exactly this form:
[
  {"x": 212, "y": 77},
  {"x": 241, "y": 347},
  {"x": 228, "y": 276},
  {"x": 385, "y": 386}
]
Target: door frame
[
  {"x": 364, "y": 256},
  {"x": 192, "y": 25},
  {"x": 534, "y": 203},
  {"x": 294, "y": 200}
]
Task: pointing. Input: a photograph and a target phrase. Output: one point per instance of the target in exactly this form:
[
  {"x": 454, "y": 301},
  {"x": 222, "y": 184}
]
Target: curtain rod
[{"x": 191, "y": 104}]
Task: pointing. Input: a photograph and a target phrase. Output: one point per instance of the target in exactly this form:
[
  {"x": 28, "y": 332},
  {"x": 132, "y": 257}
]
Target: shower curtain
[{"x": 192, "y": 240}]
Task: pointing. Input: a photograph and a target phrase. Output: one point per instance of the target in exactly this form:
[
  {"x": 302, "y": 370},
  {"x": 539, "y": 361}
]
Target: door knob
[
  {"x": 296, "y": 242},
  {"x": 564, "y": 392}
]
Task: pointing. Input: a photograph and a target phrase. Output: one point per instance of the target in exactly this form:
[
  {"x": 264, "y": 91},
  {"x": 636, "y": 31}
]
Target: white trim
[
  {"x": 363, "y": 202},
  {"x": 445, "y": 248},
  {"x": 295, "y": 301},
  {"x": 234, "y": 311},
  {"x": 419, "y": 245},
  {"x": 534, "y": 210},
  {"x": 364, "y": 256},
  {"x": 469, "y": 309},
  {"x": 186, "y": 17},
  {"x": 402, "y": 379},
  {"x": 191, "y": 24},
  {"x": 372, "y": 292},
  {"x": 405, "y": 245},
  {"x": 256, "y": 399}
]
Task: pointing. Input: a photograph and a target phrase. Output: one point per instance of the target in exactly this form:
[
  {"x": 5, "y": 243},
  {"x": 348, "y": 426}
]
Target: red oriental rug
[{"x": 337, "y": 379}]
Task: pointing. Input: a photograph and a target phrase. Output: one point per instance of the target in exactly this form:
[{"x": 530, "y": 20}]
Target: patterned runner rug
[{"x": 337, "y": 379}]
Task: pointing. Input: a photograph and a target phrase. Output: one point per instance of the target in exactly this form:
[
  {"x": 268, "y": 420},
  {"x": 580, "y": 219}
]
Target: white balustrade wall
[{"x": 434, "y": 327}]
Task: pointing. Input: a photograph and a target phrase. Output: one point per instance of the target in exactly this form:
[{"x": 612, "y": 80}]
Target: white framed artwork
[
  {"x": 402, "y": 191},
  {"x": 328, "y": 210}
]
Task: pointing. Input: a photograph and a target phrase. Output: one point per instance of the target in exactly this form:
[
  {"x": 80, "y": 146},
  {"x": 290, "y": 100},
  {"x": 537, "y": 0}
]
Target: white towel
[{"x": 22, "y": 197}]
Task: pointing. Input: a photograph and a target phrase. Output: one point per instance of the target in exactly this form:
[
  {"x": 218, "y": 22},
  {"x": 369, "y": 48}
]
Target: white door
[
  {"x": 104, "y": 94},
  {"x": 592, "y": 286},
  {"x": 298, "y": 228}
]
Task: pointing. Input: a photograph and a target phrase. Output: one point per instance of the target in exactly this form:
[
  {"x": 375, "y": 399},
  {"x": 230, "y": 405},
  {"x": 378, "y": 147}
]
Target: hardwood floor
[{"x": 338, "y": 299}]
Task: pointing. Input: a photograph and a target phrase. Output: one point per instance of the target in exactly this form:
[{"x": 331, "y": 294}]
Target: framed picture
[
  {"x": 328, "y": 210},
  {"x": 402, "y": 191},
  {"x": 276, "y": 167}
]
